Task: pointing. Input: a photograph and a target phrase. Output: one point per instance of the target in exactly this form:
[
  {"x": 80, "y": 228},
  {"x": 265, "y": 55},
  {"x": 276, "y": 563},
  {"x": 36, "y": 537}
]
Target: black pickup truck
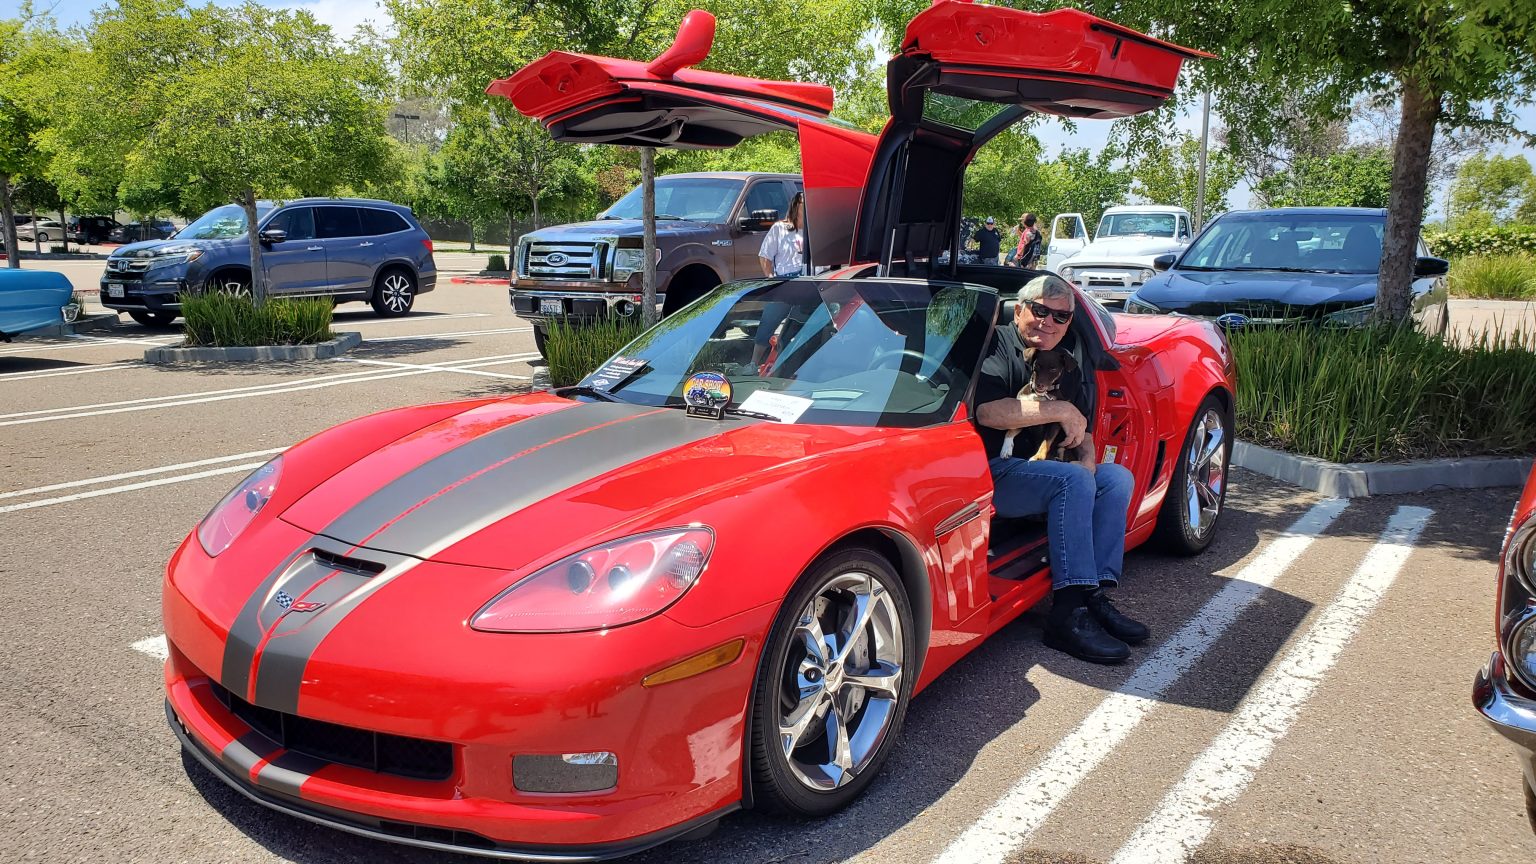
[{"x": 709, "y": 228}]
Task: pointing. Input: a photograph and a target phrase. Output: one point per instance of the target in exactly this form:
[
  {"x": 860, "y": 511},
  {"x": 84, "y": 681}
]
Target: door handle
[
  {"x": 366, "y": 243},
  {"x": 314, "y": 248}
]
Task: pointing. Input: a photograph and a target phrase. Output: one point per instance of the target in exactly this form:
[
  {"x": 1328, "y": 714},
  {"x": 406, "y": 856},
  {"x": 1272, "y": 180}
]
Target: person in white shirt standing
[
  {"x": 783, "y": 250},
  {"x": 783, "y": 257}
]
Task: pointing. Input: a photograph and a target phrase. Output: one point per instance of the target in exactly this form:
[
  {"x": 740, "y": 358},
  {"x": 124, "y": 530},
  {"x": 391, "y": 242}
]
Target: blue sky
[{"x": 344, "y": 16}]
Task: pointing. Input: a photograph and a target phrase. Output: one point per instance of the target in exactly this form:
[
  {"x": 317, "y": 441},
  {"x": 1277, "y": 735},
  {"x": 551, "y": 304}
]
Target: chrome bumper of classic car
[
  {"x": 543, "y": 305},
  {"x": 1107, "y": 282},
  {"x": 1511, "y": 714}
]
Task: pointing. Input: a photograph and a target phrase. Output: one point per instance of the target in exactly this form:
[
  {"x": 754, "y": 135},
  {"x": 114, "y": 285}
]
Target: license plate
[
  {"x": 115, "y": 289},
  {"x": 551, "y": 307}
]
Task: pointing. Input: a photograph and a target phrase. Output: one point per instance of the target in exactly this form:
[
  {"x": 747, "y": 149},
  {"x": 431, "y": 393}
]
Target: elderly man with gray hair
[{"x": 1084, "y": 503}]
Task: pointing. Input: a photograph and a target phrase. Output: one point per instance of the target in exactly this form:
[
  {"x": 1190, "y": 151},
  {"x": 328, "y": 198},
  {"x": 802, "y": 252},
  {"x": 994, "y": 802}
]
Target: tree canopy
[{"x": 1493, "y": 190}]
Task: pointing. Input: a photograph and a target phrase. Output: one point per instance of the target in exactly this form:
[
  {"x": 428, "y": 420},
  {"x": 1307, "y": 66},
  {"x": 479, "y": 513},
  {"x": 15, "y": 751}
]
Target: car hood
[
  {"x": 148, "y": 248},
  {"x": 513, "y": 482},
  {"x": 1125, "y": 249},
  {"x": 599, "y": 228},
  {"x": 1178, "y": 289}
]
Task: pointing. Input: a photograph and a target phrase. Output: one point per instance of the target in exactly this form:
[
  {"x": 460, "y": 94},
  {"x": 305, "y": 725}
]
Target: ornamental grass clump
[
  {"x": 1495, "y": 277},
  {"x": 575, "y": 351},
  {"x": 228, "y": 320},
  {"x": 1385, "y": 393}
]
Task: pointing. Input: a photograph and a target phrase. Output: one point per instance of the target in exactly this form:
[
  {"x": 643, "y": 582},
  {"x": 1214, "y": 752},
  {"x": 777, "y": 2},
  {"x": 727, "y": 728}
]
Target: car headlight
[
  {"x": 1353, "y": 317},
  {"x": 1146, "y": 273},
  {"x": 239, "y": 508},
  {"x": 1137, "y": 306},
  {"x": 626, "y": 262},
  {"x": 1521, "y": 650},
  {"x": 616, "y": 583},
  {"x": 176, "y": 255},
  {"x": 1520, "y": 562},
  {"x": 1066, "y": 273}
]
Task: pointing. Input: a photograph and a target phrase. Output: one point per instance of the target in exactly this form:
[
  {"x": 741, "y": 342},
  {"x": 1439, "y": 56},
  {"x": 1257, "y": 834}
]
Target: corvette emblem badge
[{"x": 284, "y": 599}]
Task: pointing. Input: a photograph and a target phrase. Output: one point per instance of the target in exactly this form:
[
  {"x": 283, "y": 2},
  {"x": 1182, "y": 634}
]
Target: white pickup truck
[{"x": 1119, "y": 259}]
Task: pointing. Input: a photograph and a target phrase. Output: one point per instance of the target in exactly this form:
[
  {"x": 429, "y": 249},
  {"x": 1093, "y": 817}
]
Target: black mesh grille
[{"x": 376, "y": 751}]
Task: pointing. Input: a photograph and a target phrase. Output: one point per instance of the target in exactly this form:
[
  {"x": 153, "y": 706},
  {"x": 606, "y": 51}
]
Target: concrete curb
[
  {"x": 1363, "y": 479},
  {"x": 175, "y": 354}
]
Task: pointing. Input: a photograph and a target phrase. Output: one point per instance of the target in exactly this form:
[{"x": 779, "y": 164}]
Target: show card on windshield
[
  {"x": 615, "y": 372},
  {"x": 786, "y": 408}
]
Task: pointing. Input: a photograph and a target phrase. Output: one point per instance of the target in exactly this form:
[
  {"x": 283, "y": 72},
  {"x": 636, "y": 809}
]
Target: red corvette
[{"x": 569, "y": 627}]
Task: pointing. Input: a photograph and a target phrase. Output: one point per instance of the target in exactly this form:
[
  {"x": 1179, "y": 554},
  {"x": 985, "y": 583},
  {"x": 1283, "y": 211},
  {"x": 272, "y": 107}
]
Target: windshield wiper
[
  {"x": 1279, "y": 269},
  {"x": 756, "y": 415},
  {"x": 588, "y": 390}
]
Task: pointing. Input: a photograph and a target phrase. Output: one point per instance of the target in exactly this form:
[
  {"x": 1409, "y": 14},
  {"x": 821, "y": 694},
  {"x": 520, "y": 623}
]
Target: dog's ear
[{"x": 1068, "y": 362}]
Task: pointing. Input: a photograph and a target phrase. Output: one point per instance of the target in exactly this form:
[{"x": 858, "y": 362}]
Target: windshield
[
  {"x": 220, "y": 223},
  {"x": 842, "y": 352},
  {"x": 700, "y": 199},
  {"x": 1325, "y": 243},
  {"x": 1136, "y": 225}
]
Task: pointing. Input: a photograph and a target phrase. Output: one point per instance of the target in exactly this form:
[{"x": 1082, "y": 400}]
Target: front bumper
[
  {"x": 543, "y": 305},
  {"x": 1510, "y": 713},
  {"x": 154, "y": 294}
]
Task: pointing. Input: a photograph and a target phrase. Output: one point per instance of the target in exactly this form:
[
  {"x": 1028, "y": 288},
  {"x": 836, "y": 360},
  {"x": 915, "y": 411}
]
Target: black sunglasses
[{"x": 1040, "y": 310}]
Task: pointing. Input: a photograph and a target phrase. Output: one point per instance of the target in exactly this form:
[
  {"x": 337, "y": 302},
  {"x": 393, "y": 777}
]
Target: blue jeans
[{"x": 1084, "y": 514}]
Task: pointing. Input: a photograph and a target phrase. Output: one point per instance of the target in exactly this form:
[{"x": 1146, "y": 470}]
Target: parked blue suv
[{"x": 346, "y": 248}]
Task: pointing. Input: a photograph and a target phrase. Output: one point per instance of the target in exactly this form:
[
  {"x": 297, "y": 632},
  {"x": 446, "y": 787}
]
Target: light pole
[
  {"x": 405, "y": 132},
  {"x": 1205, "y": 141}
]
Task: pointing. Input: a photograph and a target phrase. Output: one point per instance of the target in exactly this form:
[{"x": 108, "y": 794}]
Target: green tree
[
  {"x": 1170, "y": 174},
  {"x": 279, "y": 110},
  {"x": 1359, "y": 177},
  {"x": 1444, "y": 63},
  {"x": 1491, "y": 190},
  {"x": 28, "y": 48}
]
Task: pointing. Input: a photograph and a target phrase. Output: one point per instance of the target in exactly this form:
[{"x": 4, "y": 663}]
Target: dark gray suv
[{"x": 347, "y": 248}]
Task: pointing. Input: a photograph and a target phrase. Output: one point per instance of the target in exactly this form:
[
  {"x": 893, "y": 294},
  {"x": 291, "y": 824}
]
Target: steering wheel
[{"x": 939, "y": 375}]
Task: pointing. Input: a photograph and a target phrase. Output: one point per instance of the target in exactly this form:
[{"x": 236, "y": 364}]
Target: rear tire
[
  {"x": 833, "y": 685},
  {"x": 1197, "y": 494},
  {"x": 151, "y": 318},
  {"x": 540, "y": 340},
  {"x": 394, "y": 293}
]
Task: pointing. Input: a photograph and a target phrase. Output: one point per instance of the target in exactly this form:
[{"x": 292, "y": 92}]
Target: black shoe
[
  {"x": 1127, "y": 630},
  {"x": 1080, "y": 634}
]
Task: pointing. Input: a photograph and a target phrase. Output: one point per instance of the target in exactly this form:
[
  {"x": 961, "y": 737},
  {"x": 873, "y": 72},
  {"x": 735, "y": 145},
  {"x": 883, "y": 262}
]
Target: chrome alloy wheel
[
  {"x": 1206, "y": 473},
  {"x": 841, "y": 681},
  {"x": 396, "y": 292}
]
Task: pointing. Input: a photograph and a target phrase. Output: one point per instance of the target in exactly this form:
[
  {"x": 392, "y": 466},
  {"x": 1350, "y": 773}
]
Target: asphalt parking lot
[{"x": 1305, "y": 699}]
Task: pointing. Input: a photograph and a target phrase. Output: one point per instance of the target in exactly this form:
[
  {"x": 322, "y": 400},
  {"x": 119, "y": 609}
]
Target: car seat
[{"x": 1362, "y": 249}]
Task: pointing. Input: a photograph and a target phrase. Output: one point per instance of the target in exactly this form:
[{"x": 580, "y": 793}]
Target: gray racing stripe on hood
[
  {"x": 246, "y": 631},
  {"x": 615, "y": 436},
  {"x": 492, "y": 496},
  {"x": 422, "y": 482}
]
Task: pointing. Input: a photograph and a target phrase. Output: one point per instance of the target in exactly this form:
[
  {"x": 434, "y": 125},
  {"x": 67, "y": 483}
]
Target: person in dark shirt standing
[
  {"x": 1084, "y": 503},
  {"x": 990, "y": 240}
]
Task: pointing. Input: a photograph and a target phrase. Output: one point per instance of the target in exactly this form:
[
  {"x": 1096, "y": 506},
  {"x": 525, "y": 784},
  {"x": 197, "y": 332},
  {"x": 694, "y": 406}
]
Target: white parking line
[
  {"x": 78, "y": 370},
  {"x": 344, "y": 324},
  {"x": 154, "y": 646},
  {"x": 460, "y": 333},
  {"x": 467, "y": 370},
  {"x": 115, "y": 490},
  {"x": 1008, "y": 824},
  {"x": 96, "y": 481},
  {"x": 153, "y": 402},
  {"x": 1185, "y": 817},
  {"x": 78, "y": 341}
]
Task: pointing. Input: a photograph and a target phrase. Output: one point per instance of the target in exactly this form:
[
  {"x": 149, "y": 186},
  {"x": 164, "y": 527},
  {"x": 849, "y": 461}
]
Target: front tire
[
  {"x": 152, "y": 318},
  {"x": 1197, "y": 494},
  {"x": 394, "y": 294},
  {"x": 235, "y": 284},
  {"x": 833, "y": 685},
  {"x": 540, "y": 341}
]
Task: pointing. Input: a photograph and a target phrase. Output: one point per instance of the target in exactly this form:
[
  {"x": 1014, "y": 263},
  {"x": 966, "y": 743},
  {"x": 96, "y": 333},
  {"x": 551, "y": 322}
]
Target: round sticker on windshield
[{"x": 707, "y": 393}]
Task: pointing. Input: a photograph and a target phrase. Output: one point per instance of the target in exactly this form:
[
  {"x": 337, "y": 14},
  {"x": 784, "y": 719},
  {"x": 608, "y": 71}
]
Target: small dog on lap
[{"x": 1044, "y": 441}]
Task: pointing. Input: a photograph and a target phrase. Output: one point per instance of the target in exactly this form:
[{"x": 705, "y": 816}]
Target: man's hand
[{"x": 1073, "y": 425}]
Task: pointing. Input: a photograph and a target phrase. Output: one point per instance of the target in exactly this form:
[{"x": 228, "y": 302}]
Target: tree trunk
[
  {"x": 1405, "y": 211},
  {"x": 37, "y": 245},
  {"x": 648, "y": 211},
  {"x": 8, "y": 224},
  {"x": 511, "y": 231},
  {"x": 253, "y": 236},
  {"x": 64, "y": 226}
]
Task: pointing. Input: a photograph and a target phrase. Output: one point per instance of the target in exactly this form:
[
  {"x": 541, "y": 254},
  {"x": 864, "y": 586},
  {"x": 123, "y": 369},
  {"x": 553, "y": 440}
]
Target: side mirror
[
  {"x": 1425, "y": 266},
  {"x": 1164, "y": 261},
  {"x": 759, "y": 220},
  {"x": 274, "y": 235}
]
